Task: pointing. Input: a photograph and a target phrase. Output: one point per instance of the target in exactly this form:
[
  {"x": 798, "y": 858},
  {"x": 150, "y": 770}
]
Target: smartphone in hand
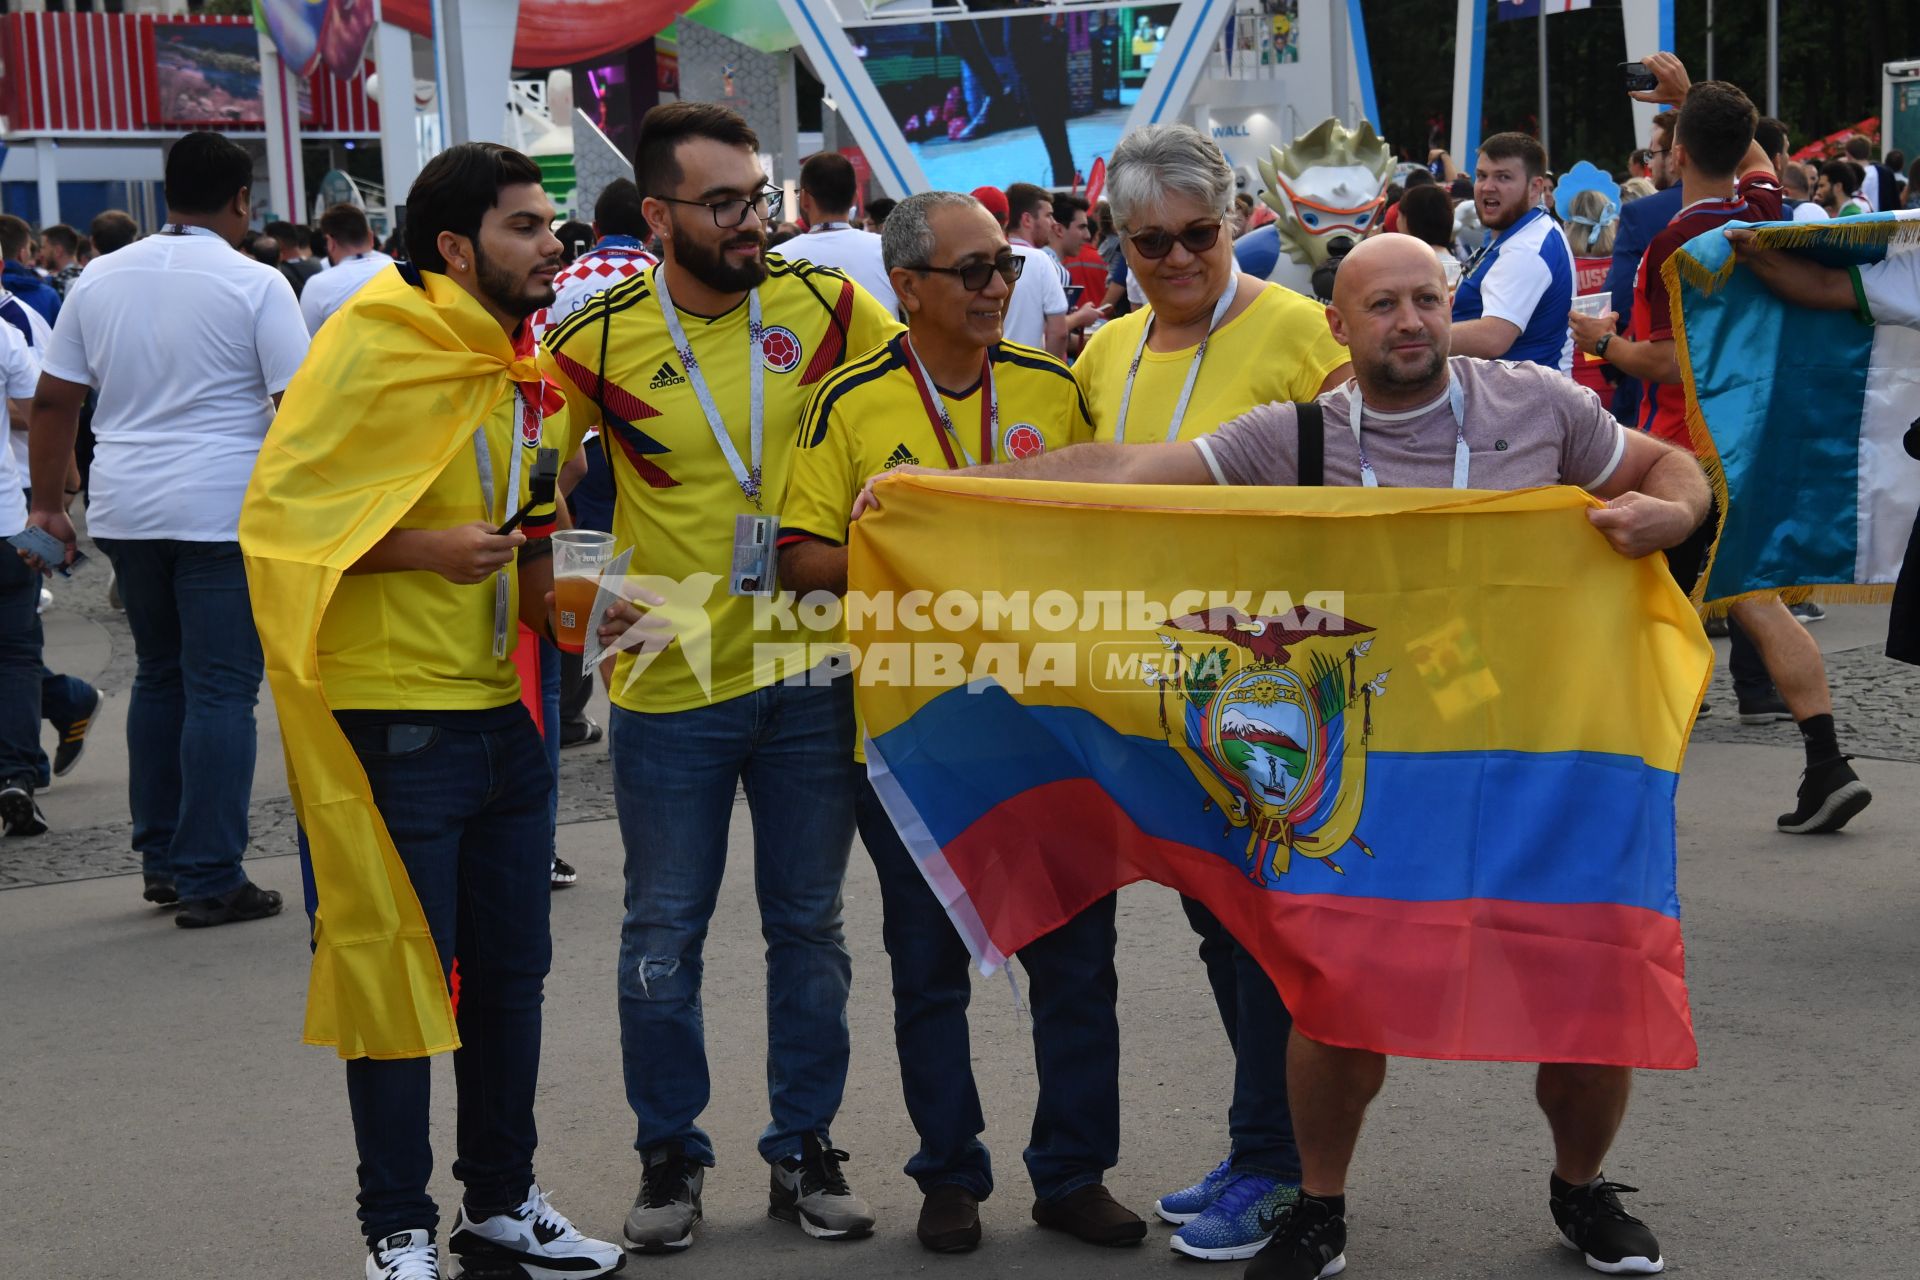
[
  {"x": 1638, "y": 78},
  {"x": 36, "y": 541}
]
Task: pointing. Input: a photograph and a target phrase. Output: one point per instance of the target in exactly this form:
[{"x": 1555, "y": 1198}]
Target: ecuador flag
[
  {"x": 389, "y": 394},
  {"x": 1799, "y": 416},
  {"x": 1418, "y": 749}
]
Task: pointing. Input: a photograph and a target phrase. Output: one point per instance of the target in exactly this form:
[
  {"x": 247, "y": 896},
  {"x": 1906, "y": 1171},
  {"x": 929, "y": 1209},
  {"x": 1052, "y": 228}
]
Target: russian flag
[
  {"x": 1800, "y": 416},
  {"x": 1418, "y": 749}
]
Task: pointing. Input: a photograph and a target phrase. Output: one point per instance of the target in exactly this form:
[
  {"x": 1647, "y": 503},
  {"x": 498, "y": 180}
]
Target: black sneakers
[
  {"x": 160, "y": 891},
  {"x": 1309, "y": 1242},
  {"x": 1592, "y": 1222},
  {"x": 562, "y": 874},
  {"x": 248, "y": 902},
  {"x": 1765, "y": 709},
  {"x": 19, "y": 814},
  {"x": 810, "y": 1191},
  {"x": 1830, "y": 794}
]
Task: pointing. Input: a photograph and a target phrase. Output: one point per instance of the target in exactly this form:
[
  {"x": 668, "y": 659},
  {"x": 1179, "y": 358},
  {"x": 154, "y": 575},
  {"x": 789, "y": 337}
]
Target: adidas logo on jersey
[
  {"x": 666, "y": 376},
  {"x": 901, "y": 457}
]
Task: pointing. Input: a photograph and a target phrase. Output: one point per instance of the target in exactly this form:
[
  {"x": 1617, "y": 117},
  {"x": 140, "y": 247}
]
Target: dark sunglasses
[
  {"x": 1155, "y": 245},
  {"x": 974, "y": 276}
]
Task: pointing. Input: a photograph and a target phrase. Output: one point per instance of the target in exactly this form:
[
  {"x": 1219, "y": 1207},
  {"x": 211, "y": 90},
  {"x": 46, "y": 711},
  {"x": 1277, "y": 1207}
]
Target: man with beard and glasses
[
  {"x": 697, "y": 372},
  {"x": 1512, "y": 303},
  {"x": 1429, "y": 421},
  {"x": 388, "y": 606}
]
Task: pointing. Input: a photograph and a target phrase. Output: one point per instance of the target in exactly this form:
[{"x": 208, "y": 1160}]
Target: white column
[
  {"x": 46, "y": 166},
  {"x": 1640, "y": 20},
  {"x": 476, "y": 51},
  {"x": 399, "y": 141},
  {"x": 286, "y": 175},
  {"x": 1469, "y": 61}
]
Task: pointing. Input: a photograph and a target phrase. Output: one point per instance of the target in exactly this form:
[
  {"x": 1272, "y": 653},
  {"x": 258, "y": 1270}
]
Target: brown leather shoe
[
  {"x": 949, "y": 1220},
  {"x": 1093, "y": 1215}
]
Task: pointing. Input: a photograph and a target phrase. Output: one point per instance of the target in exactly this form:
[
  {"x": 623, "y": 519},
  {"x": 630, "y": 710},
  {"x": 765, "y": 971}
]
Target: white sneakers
[
  {"x": 404, "y": 1255},
  {"x": 534, "y": 1241}
]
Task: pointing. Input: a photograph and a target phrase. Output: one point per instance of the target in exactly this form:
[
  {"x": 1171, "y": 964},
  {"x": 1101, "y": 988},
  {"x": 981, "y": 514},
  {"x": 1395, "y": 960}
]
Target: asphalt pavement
[{"x": 162, "y": 1119}]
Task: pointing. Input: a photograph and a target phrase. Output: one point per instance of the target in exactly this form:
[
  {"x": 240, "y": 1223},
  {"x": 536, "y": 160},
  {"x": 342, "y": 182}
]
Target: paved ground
[{"x": 162, "y": 1120}]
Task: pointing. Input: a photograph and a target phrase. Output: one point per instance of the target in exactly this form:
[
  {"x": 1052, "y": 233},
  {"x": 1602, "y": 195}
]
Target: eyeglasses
[
  {"x": 728, "y": 214},
  {"x": 1155, "y": 245},
  {"x": 975, "y": 275},
  {"x": 1657, "y": 151}
]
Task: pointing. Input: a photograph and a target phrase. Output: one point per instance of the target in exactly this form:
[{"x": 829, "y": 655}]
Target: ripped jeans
[{"x": 676, "y": 776}]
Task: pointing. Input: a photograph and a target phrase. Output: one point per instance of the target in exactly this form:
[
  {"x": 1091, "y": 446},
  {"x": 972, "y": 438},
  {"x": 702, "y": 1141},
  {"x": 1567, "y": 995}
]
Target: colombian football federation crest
[
  {"x": 1022, "y": 440},
  {"x": 1273, "y": 720},
  {"x": 780, "y": 347}
]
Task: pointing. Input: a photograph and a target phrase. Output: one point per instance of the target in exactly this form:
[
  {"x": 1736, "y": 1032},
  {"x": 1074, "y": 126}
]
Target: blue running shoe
[
  {"x": 1189, "y": 1203},
  {"x": 1240, "y": 1220}
]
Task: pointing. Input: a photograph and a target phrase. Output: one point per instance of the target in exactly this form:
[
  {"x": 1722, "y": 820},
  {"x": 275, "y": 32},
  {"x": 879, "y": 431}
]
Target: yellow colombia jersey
[
  {"x": 677, "y": 499},
  {"x": 869, "y": 418},
  {"x": 414, "y": 641},
  {"x": 1279, "y": 348}
]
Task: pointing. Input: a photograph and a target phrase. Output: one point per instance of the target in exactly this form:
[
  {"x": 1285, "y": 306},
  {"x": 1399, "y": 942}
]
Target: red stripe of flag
[{"x": 1479, "y": 978}]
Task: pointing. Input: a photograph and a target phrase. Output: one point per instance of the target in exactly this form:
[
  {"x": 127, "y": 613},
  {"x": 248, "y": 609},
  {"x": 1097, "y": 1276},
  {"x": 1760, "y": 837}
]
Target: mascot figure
[{"x": 1327, "y": 189}]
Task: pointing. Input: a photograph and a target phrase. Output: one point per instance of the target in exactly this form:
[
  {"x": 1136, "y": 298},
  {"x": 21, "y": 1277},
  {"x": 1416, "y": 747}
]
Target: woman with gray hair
[{"x": 1210, "y": 344}]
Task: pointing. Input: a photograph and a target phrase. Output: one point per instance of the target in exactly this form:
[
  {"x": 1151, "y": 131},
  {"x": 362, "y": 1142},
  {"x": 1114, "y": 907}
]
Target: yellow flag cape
[{"x": 388, "y": 396}]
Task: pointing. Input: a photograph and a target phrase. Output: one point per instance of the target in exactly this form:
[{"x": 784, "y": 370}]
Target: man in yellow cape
[
  {"x": 336, "y": 474},
  {"x": 385, "y": 581}
]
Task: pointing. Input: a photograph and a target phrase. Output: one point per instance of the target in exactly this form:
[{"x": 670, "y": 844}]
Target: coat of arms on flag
[{"x": 1417, "y": 749}]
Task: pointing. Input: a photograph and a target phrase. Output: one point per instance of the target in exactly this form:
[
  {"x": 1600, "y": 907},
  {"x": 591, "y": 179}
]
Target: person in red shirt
[{"x": 1725, "y": 176}]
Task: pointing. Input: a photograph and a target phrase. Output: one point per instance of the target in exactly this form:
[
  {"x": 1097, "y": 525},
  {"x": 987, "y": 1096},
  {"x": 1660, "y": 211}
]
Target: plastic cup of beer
[{"x": 579, "y": 558}]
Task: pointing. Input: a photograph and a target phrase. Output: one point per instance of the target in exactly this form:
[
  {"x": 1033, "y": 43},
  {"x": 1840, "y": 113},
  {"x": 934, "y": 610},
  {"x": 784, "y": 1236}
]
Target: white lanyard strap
[
  {"x": 1456, "y": 400},
  {"x": 747, "y": 477},
  {"x": 483, "y": 461},
  {"x": 830, "y": 226},
  {"x": 931, "y": 395},
  {"x": 1193, "y": 369}
]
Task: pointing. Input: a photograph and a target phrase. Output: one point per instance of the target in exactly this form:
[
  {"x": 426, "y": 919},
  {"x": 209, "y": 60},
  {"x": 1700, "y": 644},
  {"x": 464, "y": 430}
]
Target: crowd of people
[{"x": 283, "y": 451}]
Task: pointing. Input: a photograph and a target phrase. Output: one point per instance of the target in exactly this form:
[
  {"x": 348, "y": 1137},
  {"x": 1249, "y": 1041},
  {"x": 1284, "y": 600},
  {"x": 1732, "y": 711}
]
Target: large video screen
[
  {"x": 1015, "y": 95},
  {"x": 209, "y": 75}
]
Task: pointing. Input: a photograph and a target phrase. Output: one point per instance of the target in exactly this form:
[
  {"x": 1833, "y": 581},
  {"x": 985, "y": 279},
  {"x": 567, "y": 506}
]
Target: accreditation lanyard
[
  {"x": 1456, "y": 400},
  {"x": 829, "y": 226},
  {"x": 483, "y": 456},
  {"x": 747, "y": 477},
  {"x": 182, "y": 229},
  {"x": 1193, "y": 370},
  {"x": 937, "y": 409}
]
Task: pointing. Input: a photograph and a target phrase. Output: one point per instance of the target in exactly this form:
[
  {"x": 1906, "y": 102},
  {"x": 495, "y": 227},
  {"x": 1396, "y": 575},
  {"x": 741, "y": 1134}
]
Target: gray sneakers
[
  {"x": 811, "y": 1192},
  {"x": 663, "y": 1214}
]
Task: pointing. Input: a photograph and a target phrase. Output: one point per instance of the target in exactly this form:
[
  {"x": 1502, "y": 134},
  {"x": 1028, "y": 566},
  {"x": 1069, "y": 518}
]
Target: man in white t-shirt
[
  {"x": 1037, "y": 311},
  {"x": 190, "y": 345},
  {"x": 1797, "y": 184},
  {"x": 20, "y": 636},
  {"x": 67, "y": 702},
  {"x": 828, "y": 186},
  {"x": 354, "y": 260}
]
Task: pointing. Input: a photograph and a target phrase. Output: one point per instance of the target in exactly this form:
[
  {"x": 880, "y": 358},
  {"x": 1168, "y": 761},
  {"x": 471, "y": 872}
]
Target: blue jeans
[
  {"x": 469, "y": 820},
  {"x": 190, "y": 730},
  {"x": 1073, "y": 992},
  {"x": 1259, "y": 1123},
  {"x": 675, "y": 775},
  {"x": 20, "y": 640},
  {"x": 550, "y": 660}
]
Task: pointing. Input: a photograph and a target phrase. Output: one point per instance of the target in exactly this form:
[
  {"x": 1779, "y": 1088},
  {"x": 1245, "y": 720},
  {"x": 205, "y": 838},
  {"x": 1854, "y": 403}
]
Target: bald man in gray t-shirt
[{"x": 1428, "y": 421}]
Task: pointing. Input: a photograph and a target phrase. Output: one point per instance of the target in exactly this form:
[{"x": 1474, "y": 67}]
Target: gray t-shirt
[{"x": 1526, "y": 425}]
